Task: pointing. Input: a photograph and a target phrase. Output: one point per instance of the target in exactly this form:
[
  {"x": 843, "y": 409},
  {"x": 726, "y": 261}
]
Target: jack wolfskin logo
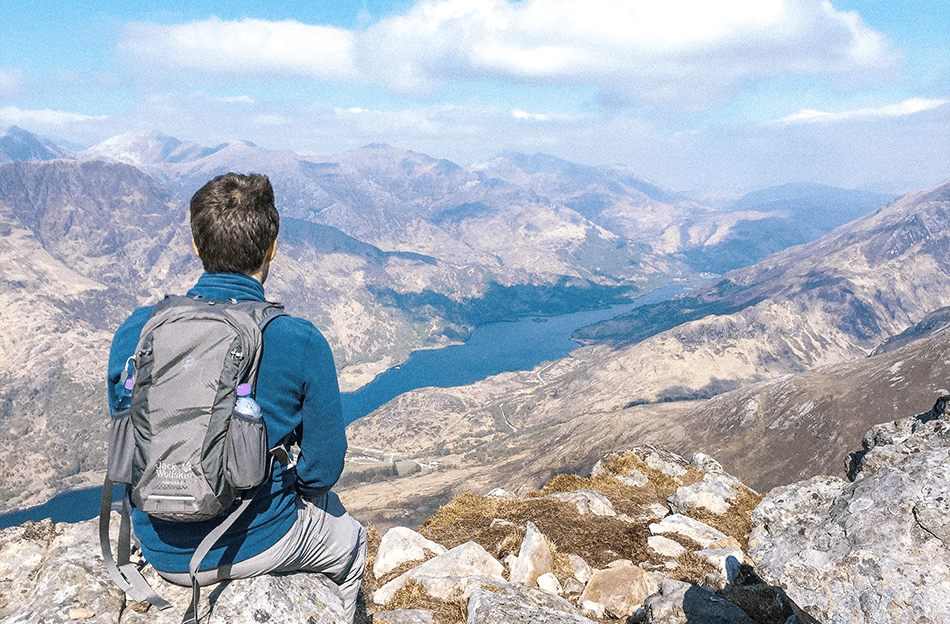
[{"x": 173, "y": 475}]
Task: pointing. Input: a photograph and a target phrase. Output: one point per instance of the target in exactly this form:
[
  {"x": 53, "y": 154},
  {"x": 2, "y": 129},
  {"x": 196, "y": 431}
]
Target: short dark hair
[{"x": 234, "y": 221}]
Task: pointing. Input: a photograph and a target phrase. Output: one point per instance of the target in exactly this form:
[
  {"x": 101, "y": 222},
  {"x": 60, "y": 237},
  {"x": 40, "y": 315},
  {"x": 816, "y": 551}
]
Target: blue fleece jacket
[{"x": 298, "y": 392}]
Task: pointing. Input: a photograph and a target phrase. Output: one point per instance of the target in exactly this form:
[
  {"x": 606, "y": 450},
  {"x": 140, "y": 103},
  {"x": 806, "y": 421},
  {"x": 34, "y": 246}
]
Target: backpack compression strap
[{"x": 124, "y": 573}]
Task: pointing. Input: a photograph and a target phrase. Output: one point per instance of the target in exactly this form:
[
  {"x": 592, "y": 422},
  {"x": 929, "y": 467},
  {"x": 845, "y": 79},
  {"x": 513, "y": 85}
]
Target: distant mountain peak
[
  {"x": 135, "y": 148},
  {"x": 150, "y": 147},
  {"x": 19, "y": 145},
  {"x": 508, "y": 163},
  {"x": 377, "y": 146}
]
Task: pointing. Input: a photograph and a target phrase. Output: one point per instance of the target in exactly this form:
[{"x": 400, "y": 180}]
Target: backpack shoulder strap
[{"x": 263, "y": 312}]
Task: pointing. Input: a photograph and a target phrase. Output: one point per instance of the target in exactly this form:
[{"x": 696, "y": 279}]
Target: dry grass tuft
[
  {"x": 598, "y": 539},
  {"x": 412, "y": 595},
  {"x": 373, "y": 539},
  {"x": 562, "y": 483},
  {"x": 562, "y": 565},
  {"x": 737, "y": 521},
  {"x": 690, "y": 568},
  {"x": 664, "y": 484}
]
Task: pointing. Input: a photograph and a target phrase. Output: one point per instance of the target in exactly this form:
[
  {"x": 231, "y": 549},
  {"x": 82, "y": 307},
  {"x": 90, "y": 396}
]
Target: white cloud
[
  {"x": 690, "y": 54},
  {"x": 244, "y": 49},
  {"x": 685, "y": 53},
  {"x": 240, "y": 99},
  {"x": 518, "y": 113},
  {"x": 907, "y": 107},
  {"x": 44, "y": 118}
]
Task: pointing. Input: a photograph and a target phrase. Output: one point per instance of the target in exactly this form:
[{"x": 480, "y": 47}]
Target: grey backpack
[{"x": 183, "y": 451}]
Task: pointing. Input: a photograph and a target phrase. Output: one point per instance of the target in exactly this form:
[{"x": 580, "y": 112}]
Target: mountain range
[
  {"x": 391, "y": 198},
  {"x": 388, "y": 250}
]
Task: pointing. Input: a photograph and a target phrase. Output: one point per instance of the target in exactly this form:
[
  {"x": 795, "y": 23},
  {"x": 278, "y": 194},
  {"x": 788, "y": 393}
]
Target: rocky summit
[
  {"x": 876, "y": 549},
  {"x": 648, "y": 537}
]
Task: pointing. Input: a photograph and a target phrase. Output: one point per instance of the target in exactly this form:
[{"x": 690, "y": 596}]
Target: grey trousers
[{"x": 324, "y": 538}]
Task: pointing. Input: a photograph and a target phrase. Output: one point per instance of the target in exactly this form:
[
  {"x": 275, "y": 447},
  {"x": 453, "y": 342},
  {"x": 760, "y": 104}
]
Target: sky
[{"x": 714, "y": 98}]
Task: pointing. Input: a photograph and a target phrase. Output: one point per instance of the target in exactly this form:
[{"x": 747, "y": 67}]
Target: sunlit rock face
[{"x": 871, "y": 550}]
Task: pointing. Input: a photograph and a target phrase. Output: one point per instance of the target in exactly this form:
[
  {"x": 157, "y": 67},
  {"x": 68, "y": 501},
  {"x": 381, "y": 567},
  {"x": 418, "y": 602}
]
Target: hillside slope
[{"x": 804, "y": 323}]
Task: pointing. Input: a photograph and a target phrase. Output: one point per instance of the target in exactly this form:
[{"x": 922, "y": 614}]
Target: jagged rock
[
  {"x": 581, "y": 569},
  {"x": 539, "y": 597},
  {"x": 289, "y": 598},
  {"x": 668, "y": 463},
  {"x": 647, "y": 513},
  {"x": 549, "y": 582},
  {"x": 658, "y": 459},
  {"x": 53, "y": 570},
  {"x": 682, "y": 603},
  {"x": 888, "y": 443},
  {"x": 586, "y": 501},
  {"x": 508, "y": 604},
  {"x": 722, "y": 559},
  {"x": 599, "y": 468},
  {"x": 634, "y": 478},
  {"x": 403, "y": 616},
  {"x": 80, "y": 613},
  {"x": 501, "y": 493},
  {"x": 665, "y": 547},
  {"x": 726, "y": 542},
  {"x": 594, "y": 609},
  {"x": 872, "y": 551},
  {"x": 572, "y": 587},
  {"x": 702, "y": 461},
  {"x": 621, "y": 589},
  {"x": 299, "y": 597},
  {"x": 49, "y": 569},
  {"x": 534, "y": 559},
  {"x": 711, "y": 494},
  {"x": 699, "y": 532},
  {"x": 446, "y": 576},
  {"x": 401, "y": 545}
]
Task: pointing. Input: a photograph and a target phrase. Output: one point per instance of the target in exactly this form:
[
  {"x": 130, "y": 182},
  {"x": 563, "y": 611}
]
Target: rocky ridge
[
  {"x": 484, "y": 554},
  {"x": 648, "y": 538},
  {"x": 875, "y": 549}
]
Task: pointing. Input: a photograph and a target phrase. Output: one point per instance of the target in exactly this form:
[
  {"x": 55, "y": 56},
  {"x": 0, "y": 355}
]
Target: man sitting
[{"x": 294, "y": 522}]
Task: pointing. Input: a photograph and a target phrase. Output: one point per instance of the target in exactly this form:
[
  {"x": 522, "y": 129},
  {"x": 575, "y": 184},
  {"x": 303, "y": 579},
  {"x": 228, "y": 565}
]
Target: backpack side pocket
[
  {"x": 245, "y": 451},
  {"x": 121, "y": 447}
]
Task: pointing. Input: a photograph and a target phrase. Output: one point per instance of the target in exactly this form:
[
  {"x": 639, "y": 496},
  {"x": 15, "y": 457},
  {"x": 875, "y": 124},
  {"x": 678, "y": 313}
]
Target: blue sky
[{"x": 697, "y": 96}]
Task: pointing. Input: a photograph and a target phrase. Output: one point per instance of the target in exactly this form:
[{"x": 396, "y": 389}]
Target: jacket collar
[{"x": 224, "y": 286}]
